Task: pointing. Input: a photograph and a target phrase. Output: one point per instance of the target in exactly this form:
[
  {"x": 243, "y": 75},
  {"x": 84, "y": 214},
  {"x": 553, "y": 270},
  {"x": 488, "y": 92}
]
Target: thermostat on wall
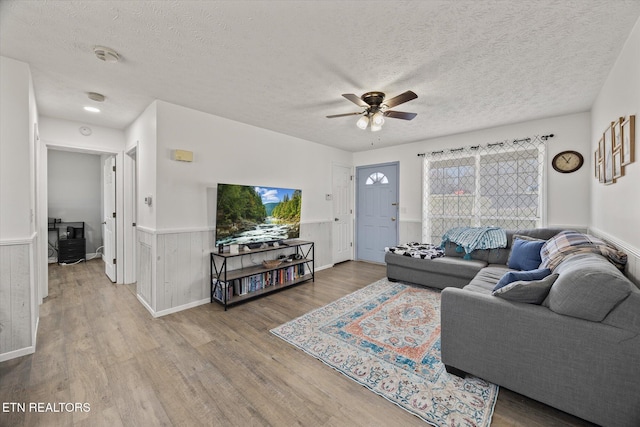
[{"x": 183, "y": 155}]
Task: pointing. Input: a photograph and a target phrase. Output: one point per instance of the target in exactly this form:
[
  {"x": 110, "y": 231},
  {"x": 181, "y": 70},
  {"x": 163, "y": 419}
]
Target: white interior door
[
  {"x": 376, "y": 210},
  {"x": 131, "y": 246},
  {"x": 109, "y": 223},
  {"x": 342, "y": 228}
]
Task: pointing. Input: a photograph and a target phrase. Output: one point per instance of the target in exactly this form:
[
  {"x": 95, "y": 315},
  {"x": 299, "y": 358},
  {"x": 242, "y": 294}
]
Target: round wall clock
[{"x": 567, "y": 161}]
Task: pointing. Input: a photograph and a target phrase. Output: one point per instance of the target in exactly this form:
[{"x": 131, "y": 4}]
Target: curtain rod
[{"x": 475, "y": 147}]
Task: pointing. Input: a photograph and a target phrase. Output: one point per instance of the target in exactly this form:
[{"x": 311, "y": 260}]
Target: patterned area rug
[{"x": 387, "y": 337}]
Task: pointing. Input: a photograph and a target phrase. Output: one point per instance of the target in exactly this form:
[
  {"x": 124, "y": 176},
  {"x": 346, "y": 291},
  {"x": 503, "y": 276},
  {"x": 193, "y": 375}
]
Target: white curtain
[{"x": 497, "y": 185}]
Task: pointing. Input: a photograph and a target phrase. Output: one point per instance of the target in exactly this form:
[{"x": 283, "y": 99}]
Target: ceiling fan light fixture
[
  {"x": 363, "y": 122},
  {"x": 375, "y": 109},
  {"x": 375, "y": 127},
  {"x": 377, "y": 119}
]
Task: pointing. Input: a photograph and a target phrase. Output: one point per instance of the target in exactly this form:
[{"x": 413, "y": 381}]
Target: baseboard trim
[
  {"x": 182, "y": 307},
  {"x": 193, "y": 304},
  {"x": 171, "y": 310},
  {"x": 145, "y": 305},
  {"x": 35, "y": 332},
  {"x": 23, "y": 351},
  {"x": 17, "y": 353},
  {"x": 324, "y": 267}
]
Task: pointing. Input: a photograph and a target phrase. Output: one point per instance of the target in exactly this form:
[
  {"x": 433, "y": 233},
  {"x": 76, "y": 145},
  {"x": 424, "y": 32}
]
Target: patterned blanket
[
  {"x": 567, "y": 243},
  {"x": 417, "y": 250},
  {"x": 472, "y": 238}
]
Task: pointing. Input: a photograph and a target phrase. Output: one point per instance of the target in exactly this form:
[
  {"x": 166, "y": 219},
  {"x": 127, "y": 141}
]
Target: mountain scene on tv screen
[{"x": 247, "y": 214}]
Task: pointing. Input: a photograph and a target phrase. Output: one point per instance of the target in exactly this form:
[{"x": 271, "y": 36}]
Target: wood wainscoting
[{"x": 18, "y": 298}]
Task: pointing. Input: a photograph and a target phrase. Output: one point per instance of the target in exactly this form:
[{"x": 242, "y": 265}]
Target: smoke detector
[
  {"x": 106, "y": 54},
  {"x": 94, "y": 96}
]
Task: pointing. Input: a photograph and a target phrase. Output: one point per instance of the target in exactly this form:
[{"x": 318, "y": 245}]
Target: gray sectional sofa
[{"x": 577, "y": 350}]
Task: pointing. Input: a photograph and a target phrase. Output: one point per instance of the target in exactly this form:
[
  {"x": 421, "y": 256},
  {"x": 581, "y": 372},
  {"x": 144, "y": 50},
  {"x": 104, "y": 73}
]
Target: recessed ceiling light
[
  {"x": 92, "y": 109},
  {"x": 106, "y": 54}
]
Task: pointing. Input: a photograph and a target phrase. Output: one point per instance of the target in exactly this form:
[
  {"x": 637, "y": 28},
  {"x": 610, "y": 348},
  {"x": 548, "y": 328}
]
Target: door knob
[{"x": 393, "y": 218}]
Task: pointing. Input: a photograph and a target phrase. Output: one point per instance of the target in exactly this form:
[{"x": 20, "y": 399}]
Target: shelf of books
[{"x": 229, "y": 287}]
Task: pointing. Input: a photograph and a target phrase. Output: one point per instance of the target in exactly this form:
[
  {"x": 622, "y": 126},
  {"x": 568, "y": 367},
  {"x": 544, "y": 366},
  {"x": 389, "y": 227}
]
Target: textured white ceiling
[{"x": 282, "y": 65}]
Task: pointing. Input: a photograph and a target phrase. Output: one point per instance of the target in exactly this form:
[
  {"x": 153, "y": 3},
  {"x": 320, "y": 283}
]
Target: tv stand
[{"x": 230, "y": 287}]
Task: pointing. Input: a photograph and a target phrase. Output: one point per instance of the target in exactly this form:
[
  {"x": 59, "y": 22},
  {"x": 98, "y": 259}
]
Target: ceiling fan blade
[
  {"x": 356, "y": 100},
  {"x": 400, "y": 99},
  {"x": 400, "y": 115},
  {"x": 342, "y": 115}
]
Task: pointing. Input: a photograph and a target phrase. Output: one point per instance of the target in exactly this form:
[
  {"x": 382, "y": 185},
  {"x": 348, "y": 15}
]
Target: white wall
[
  {"x": 616, "y": 208},
  {"x": 19, "y": 263},
  {"x": 15, "y": 185},
  {"x": 567, "y": 194},
  {"x": 75, "y": 192},
  {"x": 65, "y": 134},
  {"x": 141, "y": 136},
  {"x": 176, "y": 233},
  {"x": 235, "y": 153}
]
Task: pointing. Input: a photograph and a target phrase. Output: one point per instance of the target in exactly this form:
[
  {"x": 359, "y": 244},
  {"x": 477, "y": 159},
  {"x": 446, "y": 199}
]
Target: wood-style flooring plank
[{"x": 203, "y": 366}]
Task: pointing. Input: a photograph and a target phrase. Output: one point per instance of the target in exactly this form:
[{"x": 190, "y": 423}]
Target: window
[
  {"x": 377, "y": 178},
  {"x": 499, "y": 185}
]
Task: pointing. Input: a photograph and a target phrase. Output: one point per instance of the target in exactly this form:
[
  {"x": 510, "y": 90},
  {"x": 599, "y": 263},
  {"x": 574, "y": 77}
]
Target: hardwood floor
[{"x": 203, "y": 366}]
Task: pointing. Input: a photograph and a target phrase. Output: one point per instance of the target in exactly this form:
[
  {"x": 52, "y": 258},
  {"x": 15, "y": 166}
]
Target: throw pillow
[
  {"x": 530, "y": 292},
  {"x": 513, "y": 276},
  {"x": 525, "y": 254}
]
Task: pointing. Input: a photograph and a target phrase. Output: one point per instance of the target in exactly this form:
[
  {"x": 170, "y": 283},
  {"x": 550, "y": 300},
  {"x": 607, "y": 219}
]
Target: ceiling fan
[{"x": 376, "y": 108}]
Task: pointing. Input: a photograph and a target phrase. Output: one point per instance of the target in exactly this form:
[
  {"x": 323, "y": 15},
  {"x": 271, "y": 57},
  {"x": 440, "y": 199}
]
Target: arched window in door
[{"x": 377, "y": 178}]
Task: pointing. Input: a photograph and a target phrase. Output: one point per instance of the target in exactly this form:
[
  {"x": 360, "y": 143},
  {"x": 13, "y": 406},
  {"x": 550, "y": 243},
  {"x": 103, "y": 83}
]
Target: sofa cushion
[
  {"x": 486, "y": 279},
  {"x": 525, "y": 254},
  {"x": 486, "y": 255},
  {"x": 457, "y": 267},
  {"x": 626, "y": 315},
  {"x": 530, "y": 292},
  {"x": 588, "y": 287},
  {"x": 501, "y": 255},
  {"x": 513, "y": 276}
]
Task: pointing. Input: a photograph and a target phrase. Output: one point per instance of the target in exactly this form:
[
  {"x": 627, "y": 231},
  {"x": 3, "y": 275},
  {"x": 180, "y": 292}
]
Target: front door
[{"x": 376, "y": 210}]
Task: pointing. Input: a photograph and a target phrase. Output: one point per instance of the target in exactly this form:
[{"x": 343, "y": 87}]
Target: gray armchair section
[{"x": 589, "y": 369}]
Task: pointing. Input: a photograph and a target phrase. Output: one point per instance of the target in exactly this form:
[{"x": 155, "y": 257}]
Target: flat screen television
[{"x": 248, "y": 215}]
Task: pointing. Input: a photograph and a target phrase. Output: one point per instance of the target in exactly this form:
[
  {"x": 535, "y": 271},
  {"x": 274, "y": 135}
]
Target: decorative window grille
[
  {"x": 377, "y": 178},
  {"x": 498, "y": 185}
]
